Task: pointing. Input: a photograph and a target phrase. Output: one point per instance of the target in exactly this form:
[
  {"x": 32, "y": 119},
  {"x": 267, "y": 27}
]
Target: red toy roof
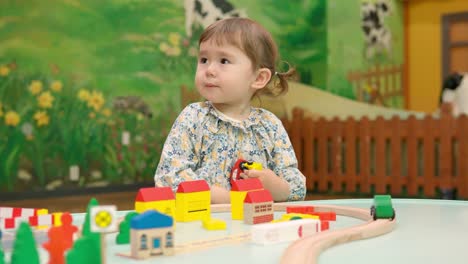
[
  {"x": 260, "y": 196},
  {"x": 151, "y": 194},
  {"x": 247, "y": 185},
  {"x": 193, "y": 186}
]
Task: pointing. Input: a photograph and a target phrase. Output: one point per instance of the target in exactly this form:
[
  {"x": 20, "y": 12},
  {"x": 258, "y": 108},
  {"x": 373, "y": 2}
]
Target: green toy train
[{"x": 382, "y": 207}]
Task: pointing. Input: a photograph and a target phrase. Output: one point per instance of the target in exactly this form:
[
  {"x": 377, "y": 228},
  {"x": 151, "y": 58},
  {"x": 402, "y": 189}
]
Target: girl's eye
[
  {"x": 203, "y": 60},
  {"x": 224, "y": 61}
]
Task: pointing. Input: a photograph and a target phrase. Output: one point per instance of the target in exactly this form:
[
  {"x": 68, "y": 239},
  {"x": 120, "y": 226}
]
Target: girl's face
[{"x": 224, "y": 74}]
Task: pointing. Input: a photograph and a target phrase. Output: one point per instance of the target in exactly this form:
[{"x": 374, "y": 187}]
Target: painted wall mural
[{"x": 89, "y": 89}]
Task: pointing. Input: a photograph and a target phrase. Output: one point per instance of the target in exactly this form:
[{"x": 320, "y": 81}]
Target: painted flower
[
  {"x": 92, "y": 115},
  {"x": 56, "y": 86},
  {"x": 106, "y": 112},
  {"x": 173, "y": 51},
  {"x": 164, "y": 47},
  {"x": 42, "y": 119},
  {"x": 35, "y": 87},
  {"x": 45, "y": 100},
  {"x": 96, "y": 100},
  {"x": 83, "y": 95},
  {"x": 174, "y": 39},
  {"x": 4, "y": 70},
  {"x": 12, "y": 118}
]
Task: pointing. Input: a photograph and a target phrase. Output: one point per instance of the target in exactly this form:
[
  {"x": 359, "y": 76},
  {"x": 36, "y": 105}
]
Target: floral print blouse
[{"x": 204, "y": 144}]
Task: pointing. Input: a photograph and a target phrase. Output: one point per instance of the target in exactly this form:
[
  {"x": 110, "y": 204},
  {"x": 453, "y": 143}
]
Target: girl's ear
[{"x": 263, "y": 77}]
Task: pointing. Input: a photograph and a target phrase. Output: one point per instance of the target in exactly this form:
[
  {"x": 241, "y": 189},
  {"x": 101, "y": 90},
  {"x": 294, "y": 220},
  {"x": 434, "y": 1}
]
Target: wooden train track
[{"x": 307, "y": 249}]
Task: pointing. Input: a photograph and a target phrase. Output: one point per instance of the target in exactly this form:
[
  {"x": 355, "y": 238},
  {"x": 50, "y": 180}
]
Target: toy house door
[{"x": 454, "y": 43}]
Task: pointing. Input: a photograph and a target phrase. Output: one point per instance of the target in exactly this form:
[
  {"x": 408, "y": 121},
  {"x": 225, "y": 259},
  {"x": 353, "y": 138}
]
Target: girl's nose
[{"x": 210, "y": 69}]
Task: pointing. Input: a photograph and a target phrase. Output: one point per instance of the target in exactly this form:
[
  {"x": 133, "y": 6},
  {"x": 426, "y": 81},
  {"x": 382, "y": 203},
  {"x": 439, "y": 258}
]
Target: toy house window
[
  {"x": 257, "y": 209},
  {"x": 143, "y": 242},
  {"x": 269, "y": 207},
  {"x": 169, "y": 240}
]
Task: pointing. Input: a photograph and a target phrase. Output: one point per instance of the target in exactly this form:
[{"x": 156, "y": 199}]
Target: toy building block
[
  {"x": 326, "y": 216},
  {"x": 34, "y": 221},
  {"x": 214, "y": 224},
  {"x": 42, "y": 212},
  {"x": 301, "y": 209},
  {"x": 238, "y": 192},
  {"x": 124, "y": 229},
  {"x": 382, "y": 207},
  {"x": 296, "y": 216},
  {"x": 11, "y": 212},
  {"x": 57, "y": 218},
  {"x": 258, "y": 207},
  {"x": 24, "y": 249},
  {"x": 55, "y": 246},
  {"x": 271, "y": 233},
  {"x": 193, "y": 201},
  {"x": 151, "y": 233},
  {"x": 324, "y": 225},
  {"x": 155, "y": 198}
]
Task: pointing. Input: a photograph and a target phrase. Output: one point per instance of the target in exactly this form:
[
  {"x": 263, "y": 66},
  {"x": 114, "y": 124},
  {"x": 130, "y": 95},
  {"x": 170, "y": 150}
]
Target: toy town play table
[{"x": 427, "y": 231}]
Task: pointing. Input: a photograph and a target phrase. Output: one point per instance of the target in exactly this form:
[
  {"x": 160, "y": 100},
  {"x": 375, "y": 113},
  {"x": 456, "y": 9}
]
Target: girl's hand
[
  {"x": 277, "y": 186},
  {"x": 260, "y": 174}
]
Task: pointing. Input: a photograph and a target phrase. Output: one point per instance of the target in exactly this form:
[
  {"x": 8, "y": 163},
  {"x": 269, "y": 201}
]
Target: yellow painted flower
[
  {"x": 45, "y": 100},
  {"x": 83, "y": 95},
  {"x": 164, "y": 47},
  {"x": 4, "y": 70},
  {"x": 29, "y": 137},
  {"x": 92, "y": 115},
  {"x": 173, "y": 51},
  {"x": 42, "y": 119},
  {"x": 35, "y": 87},
  {"x": 174, "y": 39},
  {"x": 96, "y": 100},
  {"x": 12, "y": 118},
  {"x": 56, "y": 86},
  {"x": 106, "y": 112}
]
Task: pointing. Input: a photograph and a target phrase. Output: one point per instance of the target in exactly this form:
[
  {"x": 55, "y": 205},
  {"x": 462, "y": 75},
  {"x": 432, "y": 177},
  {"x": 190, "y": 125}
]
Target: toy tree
[
  {"x": 124, "y": 229},
  {"x": 24, "y": 249},
  {"x": 2, "y": 256},
  {"x": 94, "y": 238},
  {"x": 84, "y": 251}
]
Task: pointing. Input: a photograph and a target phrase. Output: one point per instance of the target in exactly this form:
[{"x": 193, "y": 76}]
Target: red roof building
[
  {"x": 151, "y": 194},
  {"x": 193, "y": 186}
]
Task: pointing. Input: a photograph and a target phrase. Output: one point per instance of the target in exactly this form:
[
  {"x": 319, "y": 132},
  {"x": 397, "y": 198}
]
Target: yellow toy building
[
  {"x": 155, "y": 198},
  {"x": 238, "y": 192},
  {"x": 193, "y": 201}
]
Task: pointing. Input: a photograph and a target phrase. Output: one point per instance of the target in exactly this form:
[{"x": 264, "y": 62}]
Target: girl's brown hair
[{"x": 257, "y": 43}]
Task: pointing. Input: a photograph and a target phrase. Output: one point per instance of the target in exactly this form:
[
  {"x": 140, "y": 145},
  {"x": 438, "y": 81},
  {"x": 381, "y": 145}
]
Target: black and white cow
[
  {"x": 206, "y": 12},
  {"x": 378, "y": 37},
  {"x": 455, "y": 92}
]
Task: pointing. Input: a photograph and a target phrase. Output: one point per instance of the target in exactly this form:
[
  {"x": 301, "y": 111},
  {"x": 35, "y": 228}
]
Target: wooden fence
[
  {"x": 404, "y": 157},
  {"x": 388, "y": 82}
]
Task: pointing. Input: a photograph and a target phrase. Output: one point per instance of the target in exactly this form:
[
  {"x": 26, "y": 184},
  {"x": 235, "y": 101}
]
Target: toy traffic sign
[{"x": 103, "y": 218}]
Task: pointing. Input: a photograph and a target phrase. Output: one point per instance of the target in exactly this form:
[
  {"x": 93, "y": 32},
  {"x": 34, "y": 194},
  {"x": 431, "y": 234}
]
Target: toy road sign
[{"x": 103, "y": 218}]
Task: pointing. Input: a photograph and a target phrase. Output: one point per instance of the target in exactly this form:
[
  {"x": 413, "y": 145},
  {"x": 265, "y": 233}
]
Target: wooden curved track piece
[{"x": 307, "y": 249}]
